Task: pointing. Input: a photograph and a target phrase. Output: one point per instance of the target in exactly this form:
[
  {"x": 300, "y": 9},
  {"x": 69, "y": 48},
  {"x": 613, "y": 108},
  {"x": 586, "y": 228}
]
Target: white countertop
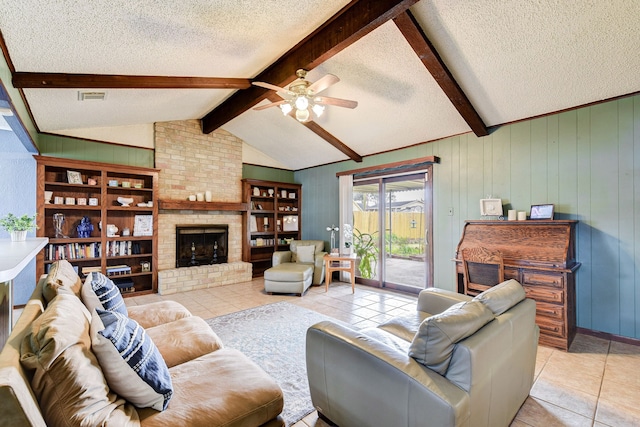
[{"x": 14, "y": 256}]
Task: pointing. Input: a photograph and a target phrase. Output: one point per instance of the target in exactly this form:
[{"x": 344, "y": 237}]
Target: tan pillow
[
  {"x": 61, "y": 276},
  {"x": 66, "y": 378},
  {"x": 433, "y": 344},
  {"x": 502, "y": 297},
  {"x": 305, "y": 254}
]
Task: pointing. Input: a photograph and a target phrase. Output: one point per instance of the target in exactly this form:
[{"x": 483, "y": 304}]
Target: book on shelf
[
  {"x": 71, "y": 251},
  {"x": 121, "y": 248},
  {"x": 91, "y": 269},
  {"x": 259, "y": 241}
]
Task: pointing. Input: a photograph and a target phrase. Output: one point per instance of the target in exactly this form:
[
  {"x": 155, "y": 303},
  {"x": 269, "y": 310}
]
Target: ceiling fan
[{"x": 302, "y": 96}]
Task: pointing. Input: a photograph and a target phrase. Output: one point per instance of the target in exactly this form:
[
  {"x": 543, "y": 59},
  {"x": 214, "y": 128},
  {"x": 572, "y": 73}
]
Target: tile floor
[{"x": 597, "y": 383}]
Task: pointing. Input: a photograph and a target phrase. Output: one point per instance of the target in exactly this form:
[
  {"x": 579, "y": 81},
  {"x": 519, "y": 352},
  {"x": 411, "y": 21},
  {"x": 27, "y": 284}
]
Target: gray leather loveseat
[{"x": 457, "y": 361}]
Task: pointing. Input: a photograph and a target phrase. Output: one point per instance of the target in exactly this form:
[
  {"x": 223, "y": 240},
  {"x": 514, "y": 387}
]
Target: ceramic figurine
[{"x": 85, "y": 227}]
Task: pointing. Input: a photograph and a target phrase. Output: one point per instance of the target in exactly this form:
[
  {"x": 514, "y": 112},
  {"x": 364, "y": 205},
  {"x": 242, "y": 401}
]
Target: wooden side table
[{"x": 340, "y": 262}]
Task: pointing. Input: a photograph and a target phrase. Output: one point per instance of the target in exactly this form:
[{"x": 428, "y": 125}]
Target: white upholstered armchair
[{"x": 299, "y": 252}]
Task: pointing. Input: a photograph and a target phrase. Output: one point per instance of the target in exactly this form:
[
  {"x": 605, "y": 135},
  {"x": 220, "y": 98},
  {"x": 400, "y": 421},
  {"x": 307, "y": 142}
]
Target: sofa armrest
[
  {"x": 348, "y": 370},
  {"x": 318, "y": 268},
  {"x": 280, "y": 257},
  {"x": 435, "y": 300}
]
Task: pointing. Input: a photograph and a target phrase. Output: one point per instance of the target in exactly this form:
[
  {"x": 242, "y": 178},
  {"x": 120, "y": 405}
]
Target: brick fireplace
[{"x": 191, "y": 162}]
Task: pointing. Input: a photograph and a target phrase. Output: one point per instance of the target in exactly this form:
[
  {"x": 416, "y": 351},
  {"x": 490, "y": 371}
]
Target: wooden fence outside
[{"x": 408, "y": 225}]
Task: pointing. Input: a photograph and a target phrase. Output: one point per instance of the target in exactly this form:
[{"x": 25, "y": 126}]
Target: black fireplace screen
[{"x": 201, "y": 245}]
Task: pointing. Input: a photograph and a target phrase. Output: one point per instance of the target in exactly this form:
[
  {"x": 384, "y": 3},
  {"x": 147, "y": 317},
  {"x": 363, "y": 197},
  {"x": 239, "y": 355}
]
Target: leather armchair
[
  {"x": 368, "y": 377},
  {"x": 280, "y": 257}
]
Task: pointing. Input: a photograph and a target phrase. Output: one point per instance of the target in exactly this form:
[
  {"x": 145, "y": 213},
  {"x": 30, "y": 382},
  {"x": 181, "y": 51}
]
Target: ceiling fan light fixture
[
  {"x": 318, "y": 109},
  {"x": 286, "y": 108},
  {"x": 302, "y": 115},
  {"x": 301, "y": 99},
  {"x": 302, "y": 103}
]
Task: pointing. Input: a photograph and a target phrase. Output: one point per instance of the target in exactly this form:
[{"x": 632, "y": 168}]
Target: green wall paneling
[
  {"x": 267, "y": 174},
  {"x": 625, "y": 211},
  {"x": 586, "y": 162},
  {"x": 73, "y": 148}
]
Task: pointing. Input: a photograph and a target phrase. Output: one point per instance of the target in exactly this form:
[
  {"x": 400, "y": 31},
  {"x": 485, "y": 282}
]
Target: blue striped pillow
[
  {"x": 108, "y": 293},
  {"x": 131, "y": 362}
]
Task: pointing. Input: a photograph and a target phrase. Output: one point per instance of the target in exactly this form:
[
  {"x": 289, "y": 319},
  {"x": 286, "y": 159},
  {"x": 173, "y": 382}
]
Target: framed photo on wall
[{"x": 541, "y": 211}]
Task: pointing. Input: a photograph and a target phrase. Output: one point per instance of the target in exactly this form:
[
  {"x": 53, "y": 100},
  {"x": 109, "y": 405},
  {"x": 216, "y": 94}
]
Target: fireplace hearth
[{"x": 201, "y": 245}]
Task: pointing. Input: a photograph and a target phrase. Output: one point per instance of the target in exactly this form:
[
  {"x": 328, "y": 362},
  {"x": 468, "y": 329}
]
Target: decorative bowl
[{"x": 125, "y": 201}]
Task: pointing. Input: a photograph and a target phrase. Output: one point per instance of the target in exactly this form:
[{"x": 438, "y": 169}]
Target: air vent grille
[{"x": 91, "y": 96}]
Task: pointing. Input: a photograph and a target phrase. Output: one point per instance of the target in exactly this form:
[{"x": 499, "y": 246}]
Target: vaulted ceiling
[{"x": 420, "y": 70}]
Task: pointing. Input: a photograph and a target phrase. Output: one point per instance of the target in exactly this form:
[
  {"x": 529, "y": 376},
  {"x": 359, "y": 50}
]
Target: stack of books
[
  {"x": 118, "y": 270},
  {"x": 125, "y": 285}
]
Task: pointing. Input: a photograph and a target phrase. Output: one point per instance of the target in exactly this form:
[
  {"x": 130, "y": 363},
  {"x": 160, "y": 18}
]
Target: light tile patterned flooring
[{"x": 597, "y": 383}]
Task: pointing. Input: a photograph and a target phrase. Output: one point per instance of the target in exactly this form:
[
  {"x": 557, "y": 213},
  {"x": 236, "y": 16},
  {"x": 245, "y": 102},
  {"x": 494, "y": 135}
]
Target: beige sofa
[
  {"x": 457, "y": 361},
  {"x": 212, "y": 385}
]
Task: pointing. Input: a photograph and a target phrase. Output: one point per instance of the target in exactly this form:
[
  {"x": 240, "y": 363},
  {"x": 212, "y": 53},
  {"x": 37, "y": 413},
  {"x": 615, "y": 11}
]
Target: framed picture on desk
[{"x": 541, "y": 212}]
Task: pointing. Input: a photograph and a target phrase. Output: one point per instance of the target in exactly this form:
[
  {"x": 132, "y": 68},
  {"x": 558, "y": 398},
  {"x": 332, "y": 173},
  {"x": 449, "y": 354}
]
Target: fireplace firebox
[{"x": 201, "y": 245}]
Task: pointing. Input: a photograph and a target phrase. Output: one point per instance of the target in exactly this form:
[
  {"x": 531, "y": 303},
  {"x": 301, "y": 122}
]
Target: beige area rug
[{"x": 273, "y": 336}]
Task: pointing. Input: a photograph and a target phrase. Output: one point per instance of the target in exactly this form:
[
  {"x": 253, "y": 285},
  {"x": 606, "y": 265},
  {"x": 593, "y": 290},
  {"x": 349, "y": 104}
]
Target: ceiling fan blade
[
  {"x": 282, "y": 92},
  {"x": 323, "y": 83},
  {"x": 273, "y": 104},
  {"x": 346, "y": 103}
]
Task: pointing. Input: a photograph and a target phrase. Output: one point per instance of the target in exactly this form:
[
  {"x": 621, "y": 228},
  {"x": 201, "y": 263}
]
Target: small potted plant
[
  {"x": 18, "y": 226},
  {"x": 366, "y": 249}
]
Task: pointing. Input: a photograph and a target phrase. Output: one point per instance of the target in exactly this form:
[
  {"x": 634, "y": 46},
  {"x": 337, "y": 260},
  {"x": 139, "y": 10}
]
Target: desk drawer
[
  {"x": 550, "y": 327},
  {"x": 543, "y": 279},
  {"x": 553, "y": 311},
  {"x": 544, "y": 294}
]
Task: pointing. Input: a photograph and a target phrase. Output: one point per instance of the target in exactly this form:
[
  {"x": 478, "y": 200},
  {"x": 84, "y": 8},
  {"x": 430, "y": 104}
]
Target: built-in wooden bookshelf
[
  {"x": 91, "y": 191},
  {"x": 272, "y": 219}
]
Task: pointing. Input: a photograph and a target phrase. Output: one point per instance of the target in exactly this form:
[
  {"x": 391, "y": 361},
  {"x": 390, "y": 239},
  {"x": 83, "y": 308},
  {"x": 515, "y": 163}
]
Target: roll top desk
[{"x": 540, "y": 254}]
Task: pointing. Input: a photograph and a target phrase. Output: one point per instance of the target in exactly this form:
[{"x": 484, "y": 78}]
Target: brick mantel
[{"x": 191, "y": 162}]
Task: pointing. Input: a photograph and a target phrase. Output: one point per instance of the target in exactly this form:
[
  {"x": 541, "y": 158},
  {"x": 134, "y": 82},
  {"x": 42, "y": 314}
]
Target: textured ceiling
[{"x": 513, "y": 60}]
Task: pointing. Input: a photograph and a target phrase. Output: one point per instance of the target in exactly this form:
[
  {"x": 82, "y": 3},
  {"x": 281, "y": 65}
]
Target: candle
[
  {"x": 266, "y": 221},
  {"x": 207, "y": 196},
  {"x": 522, "y": 216},
  {"x": 512, "y": 215}
]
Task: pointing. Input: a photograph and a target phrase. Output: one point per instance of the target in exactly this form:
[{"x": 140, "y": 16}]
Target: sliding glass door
[{"x": 393, "y": 213}]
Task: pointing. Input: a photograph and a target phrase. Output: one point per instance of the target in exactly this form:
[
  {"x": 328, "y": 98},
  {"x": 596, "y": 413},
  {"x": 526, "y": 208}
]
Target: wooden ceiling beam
[
  {"x": 24, "y": 80},
  {"x": 322, "y": 133},
  {"x": 418, "y": 40},
  {"x": 347, "y": 26}
]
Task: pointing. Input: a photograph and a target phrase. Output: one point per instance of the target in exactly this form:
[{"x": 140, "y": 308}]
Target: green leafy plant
[
  {"x": 366, "y": 249},
  {"x": 14, "y": 223}
]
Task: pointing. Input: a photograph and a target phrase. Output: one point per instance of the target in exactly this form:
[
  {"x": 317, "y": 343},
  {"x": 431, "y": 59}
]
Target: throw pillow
[
  {"x": 502, "y": 297},
  {"x": 131, "y": 362},
  {"x": 62, "y": 277},
  {"x": 99, "y": 292},
  {"x": 66, "y": 378},
  {"x": 433, "y": 344},
  {"x": 306, "y": 254}
]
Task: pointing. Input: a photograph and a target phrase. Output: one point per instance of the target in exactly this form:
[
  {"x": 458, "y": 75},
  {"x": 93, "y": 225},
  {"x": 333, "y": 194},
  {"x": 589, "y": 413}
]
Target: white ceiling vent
[{"x": 91, "y": 96}]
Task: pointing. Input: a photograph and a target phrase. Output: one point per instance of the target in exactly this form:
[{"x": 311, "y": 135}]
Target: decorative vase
[
  {"x": 19, "y": 236},
  {"x": 58, "y": 221}
]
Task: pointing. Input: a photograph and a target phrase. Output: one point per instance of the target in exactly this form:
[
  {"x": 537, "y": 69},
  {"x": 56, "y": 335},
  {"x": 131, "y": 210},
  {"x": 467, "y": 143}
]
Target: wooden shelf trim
[{"x": 202, "y": 206}]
